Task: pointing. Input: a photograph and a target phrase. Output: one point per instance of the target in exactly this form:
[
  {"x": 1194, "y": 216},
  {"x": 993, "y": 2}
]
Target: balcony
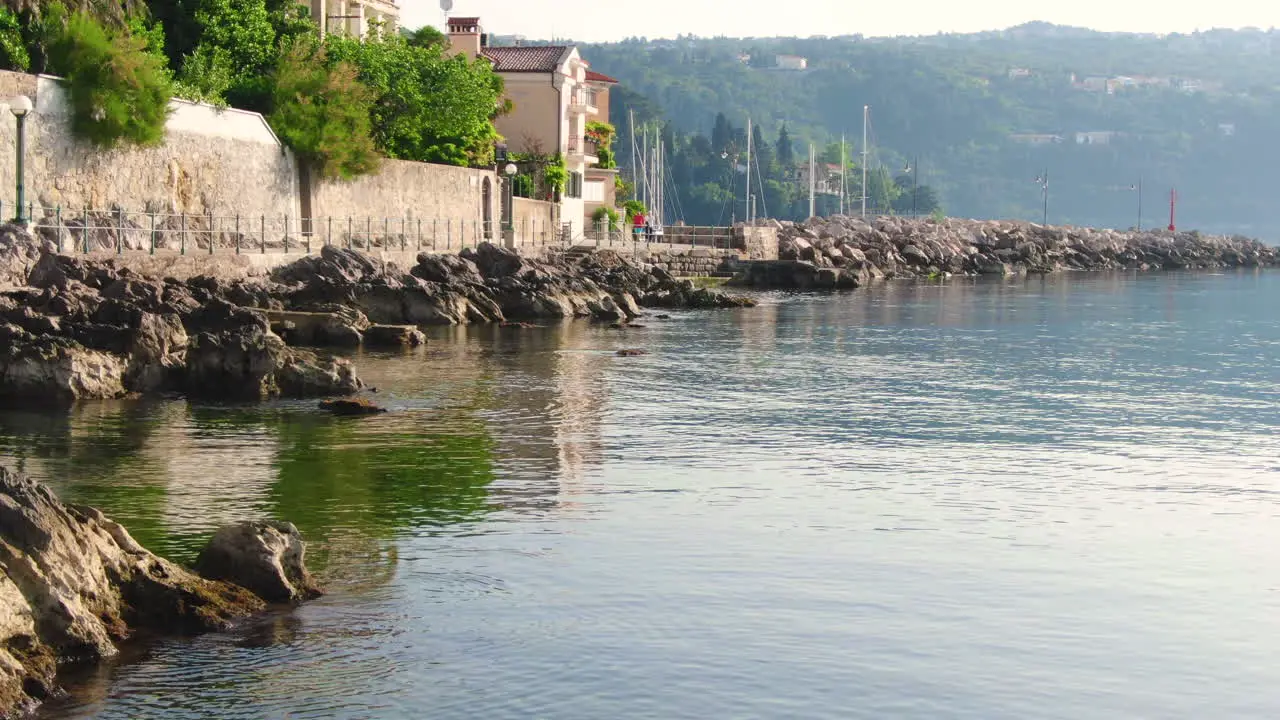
[
  {"x": 583, "y": 150},
  {"x": 583, "y": 100}
]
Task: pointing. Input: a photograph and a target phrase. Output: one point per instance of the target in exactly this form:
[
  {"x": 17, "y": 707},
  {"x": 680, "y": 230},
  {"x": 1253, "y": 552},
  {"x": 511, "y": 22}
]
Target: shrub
[
  {"x": 323, "y": 112},
  {"x": 632, "y": 208},
  {"x": 522, "y": 185},
  {"x": 603, "y": 213},
  {"x": 119, "y": 90},
  {"x": 555, "y": 175}
]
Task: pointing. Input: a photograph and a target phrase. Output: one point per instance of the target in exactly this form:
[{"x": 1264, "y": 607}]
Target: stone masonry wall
[
  {"x": 212, "y": 162},
  {"x": 413, "y": 191},
  {"x": 692, "y": 262}
]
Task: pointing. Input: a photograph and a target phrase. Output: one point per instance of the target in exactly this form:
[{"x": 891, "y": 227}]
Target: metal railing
[{"x": 117, "y": 230}]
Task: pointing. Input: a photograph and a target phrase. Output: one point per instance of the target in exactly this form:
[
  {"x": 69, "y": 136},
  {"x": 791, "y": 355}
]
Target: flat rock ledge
[
  {"x": 840, "y": 252},
  {"x": 75, "y": 583},
  {"x": 72, "y": 329}
]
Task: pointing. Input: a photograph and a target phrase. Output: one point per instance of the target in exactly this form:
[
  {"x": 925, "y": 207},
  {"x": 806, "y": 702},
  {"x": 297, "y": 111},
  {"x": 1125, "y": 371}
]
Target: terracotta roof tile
[
  {"x": 593, "y": 76},
  {"x": 532, "y": 58}
]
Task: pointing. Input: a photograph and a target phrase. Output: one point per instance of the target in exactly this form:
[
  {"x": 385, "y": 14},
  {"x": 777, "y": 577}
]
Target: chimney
[{"x": 465, "y": 36}]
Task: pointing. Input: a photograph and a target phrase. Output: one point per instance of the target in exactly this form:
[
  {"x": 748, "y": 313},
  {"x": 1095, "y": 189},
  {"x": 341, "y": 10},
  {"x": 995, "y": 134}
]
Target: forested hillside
[{"x": 986, "y": 114}]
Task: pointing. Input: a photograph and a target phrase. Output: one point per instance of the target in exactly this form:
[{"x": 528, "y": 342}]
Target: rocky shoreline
[
  {"x": 75, "y": 585},
  {"x": 847, "y": 252},
  {"x": 76, "y": 329}
]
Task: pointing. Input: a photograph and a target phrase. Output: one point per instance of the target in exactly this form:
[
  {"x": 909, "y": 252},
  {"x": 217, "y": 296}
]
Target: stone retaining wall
[{"x": 694, "y": 262}]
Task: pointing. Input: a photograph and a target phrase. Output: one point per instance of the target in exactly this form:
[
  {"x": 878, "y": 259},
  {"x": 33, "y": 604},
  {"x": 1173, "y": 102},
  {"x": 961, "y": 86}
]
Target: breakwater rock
[
  {"x": 843, "y": 252},
  {"x": 74, "y": 583}
]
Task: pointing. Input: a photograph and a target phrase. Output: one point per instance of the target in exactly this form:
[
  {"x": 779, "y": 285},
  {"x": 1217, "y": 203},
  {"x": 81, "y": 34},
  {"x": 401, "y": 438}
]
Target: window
[
  {"x": 593, "y": 192},
  {"x": 573, "y": 188}
]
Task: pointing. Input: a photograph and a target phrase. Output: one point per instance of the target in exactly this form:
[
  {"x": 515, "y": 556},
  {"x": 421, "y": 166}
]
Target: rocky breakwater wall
[
  {"x": 846, "y": 252},
  {"x": 74, "y": 584}
]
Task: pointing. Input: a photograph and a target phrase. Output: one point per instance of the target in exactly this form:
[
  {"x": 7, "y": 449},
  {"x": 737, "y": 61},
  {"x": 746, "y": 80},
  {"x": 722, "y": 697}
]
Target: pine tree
[{"x": 785, "y": 152}]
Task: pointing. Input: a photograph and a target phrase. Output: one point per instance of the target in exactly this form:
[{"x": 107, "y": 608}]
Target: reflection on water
[{"x": 1038, "y": 497}]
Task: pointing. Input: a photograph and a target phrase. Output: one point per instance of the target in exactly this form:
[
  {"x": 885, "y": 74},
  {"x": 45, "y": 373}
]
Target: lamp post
[
  {"x": 510, "y": 171},
  {"x": 1138, "y": 189},
  {"x": 913, "y": 167},
  {"x": 1043, "y": 182},
  {"x": 20, "y": 106}
]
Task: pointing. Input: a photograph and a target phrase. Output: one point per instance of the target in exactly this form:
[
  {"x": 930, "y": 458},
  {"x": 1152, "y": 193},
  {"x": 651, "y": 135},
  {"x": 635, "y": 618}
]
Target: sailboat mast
[
  {"x": 748, "y": 193},
  {"x": 842, "y": 174},
  {"x": 812, "y": 181},
  {"x": 631, "y": 124},
  {"x": 866, "y": 112}
]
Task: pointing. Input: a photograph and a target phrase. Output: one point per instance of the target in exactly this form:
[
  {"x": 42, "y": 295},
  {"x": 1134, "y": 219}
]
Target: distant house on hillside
[
  {"x": 791, "y": 62},
  {"x": 1019, "y": 73},
  {"x": 1096, "y": 137},
  {"x": 1036, "y": 138}
]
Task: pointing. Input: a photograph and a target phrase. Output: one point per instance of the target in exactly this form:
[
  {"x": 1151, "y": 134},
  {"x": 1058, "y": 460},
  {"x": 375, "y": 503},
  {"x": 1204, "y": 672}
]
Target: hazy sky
[{"x": 591, "y": 20}]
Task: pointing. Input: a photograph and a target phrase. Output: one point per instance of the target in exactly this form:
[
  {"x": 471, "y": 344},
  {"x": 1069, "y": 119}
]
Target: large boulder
[
  {"x": 59, "y": 371},
  {"x": 75, "y": 583},
  {"x": 267, "y": 557},
  {"x": 248, "y": 363}
]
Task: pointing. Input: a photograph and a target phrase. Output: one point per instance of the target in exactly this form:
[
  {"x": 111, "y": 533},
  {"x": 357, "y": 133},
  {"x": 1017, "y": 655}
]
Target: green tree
[
  {"x": 429, "y": 107},
  {"x": 785, "y": 150},
  {"x": 13, "y": 47},
  {"x": 323, "y": 112},
  {"x": 119, "y": 91}
]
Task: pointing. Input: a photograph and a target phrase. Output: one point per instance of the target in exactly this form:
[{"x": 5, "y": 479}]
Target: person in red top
[{"x": 638, "y": 222}]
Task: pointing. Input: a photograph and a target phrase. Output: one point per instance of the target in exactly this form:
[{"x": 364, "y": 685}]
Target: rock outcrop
[
  {"x": 83, "y": 329},
  {"x": 74, "y": 584},
  {"x": 842, "y": 252},
  {"x": 485, "y": 284}
]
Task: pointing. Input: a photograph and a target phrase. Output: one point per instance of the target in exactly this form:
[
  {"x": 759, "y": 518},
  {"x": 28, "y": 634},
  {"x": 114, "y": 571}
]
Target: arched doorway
[{"x": 487, "y": 210}]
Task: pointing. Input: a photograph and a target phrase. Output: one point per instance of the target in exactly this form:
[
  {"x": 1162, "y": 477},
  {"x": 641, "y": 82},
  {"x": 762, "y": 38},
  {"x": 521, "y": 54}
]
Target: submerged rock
[
  {"x": 266, "y": 557},
  {"x": 351, "y": 406}
]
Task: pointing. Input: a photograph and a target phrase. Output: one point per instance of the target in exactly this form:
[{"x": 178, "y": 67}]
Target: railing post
[
  {"x": 238, "y": 238},
  {"x": 307, "y": 235},
  {"x": 263, "y": 219},
  {"x": 286, "y": 233},
  {"x": 329, "y": 239},
  {"x": 86, "y": 230},
  {"x": 350, "y": 232},
  {"x": 183, "y": 235},
  {"x": 58, "y": 225},
  {"x": 403, "y": 231},
  {"x": 368, "y": 233},
  {"x": 153, "y": 232},
  {"x": 448, "y": 234},
  {"x": 435, "y": 232},
  {"x": 120, "y": 232},
  {"x": 213, "y": 233},
  {"x": 419, "y": 241}
]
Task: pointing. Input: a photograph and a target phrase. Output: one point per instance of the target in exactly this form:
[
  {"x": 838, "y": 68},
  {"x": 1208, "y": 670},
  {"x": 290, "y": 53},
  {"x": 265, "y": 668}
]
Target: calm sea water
[{"x": 1043, "y": 498}]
